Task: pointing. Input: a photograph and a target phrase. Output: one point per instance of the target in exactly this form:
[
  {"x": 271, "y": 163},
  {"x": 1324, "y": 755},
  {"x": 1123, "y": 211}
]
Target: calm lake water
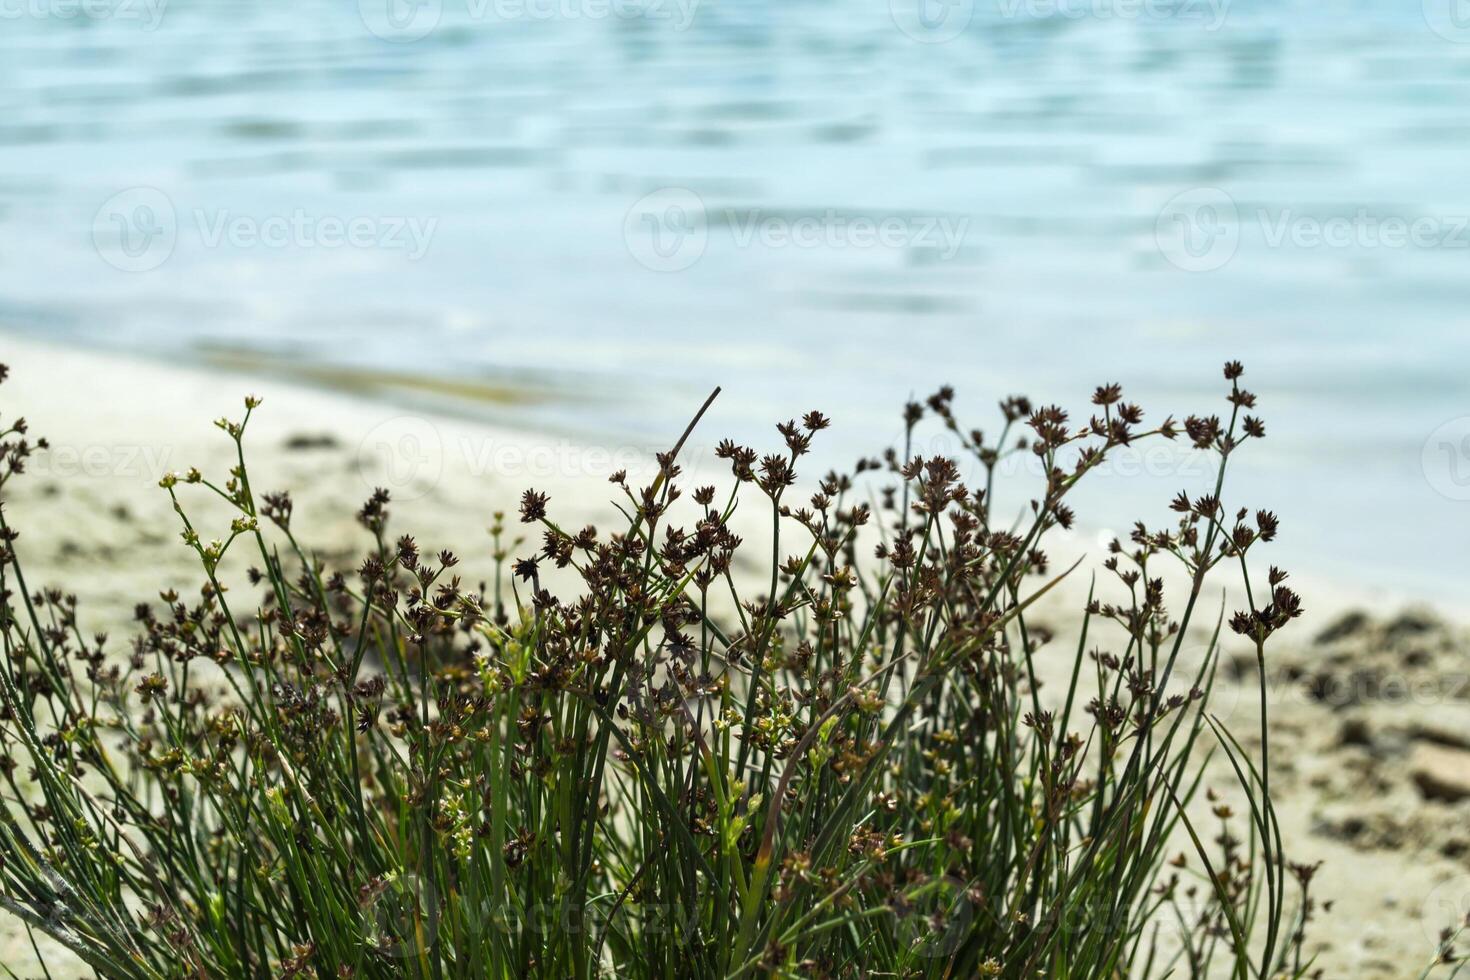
[{"x": 815, "y": 204}]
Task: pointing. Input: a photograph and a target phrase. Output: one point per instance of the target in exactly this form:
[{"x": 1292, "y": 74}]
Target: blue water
[{"x": 519, "y": 139}]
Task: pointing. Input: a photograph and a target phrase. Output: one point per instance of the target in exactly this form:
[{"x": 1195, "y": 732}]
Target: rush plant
[{"x": 842, "y": 765}]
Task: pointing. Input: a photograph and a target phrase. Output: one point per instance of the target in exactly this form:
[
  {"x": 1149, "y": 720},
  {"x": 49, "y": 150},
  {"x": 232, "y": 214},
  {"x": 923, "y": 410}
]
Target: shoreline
[
  {"x": 118, "y": 423},
  {"x": 93, "y": 518},
  {"x": 91, "y": 509}
]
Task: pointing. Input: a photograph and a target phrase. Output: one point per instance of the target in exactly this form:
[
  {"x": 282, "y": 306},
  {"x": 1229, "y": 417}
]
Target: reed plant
[{"x": 841, "y": 765}]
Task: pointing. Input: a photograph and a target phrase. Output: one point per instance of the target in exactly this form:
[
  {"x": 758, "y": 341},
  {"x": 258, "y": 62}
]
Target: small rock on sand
[{"x": 1440, "y": 772}]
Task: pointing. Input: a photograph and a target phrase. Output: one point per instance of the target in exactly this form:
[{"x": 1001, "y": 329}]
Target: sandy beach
[{"x": 1370, "y": 713}]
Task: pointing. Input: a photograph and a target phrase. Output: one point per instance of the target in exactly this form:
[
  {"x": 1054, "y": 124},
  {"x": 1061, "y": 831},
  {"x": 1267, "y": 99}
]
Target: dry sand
[{"x": 1370, "y": 715}]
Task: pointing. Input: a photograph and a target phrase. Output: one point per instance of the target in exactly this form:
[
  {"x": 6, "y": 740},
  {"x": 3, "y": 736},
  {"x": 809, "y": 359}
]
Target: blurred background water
[{"x": 584, "y": 213}]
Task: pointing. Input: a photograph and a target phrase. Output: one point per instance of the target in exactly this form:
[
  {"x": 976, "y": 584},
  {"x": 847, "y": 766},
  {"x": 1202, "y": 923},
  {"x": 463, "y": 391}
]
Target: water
[{"x": 1001, "y": 211}]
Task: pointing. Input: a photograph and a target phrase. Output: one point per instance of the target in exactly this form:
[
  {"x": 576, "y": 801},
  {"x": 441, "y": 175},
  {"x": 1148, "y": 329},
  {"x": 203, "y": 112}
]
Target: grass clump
[{"x": 845, "y": 768}]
